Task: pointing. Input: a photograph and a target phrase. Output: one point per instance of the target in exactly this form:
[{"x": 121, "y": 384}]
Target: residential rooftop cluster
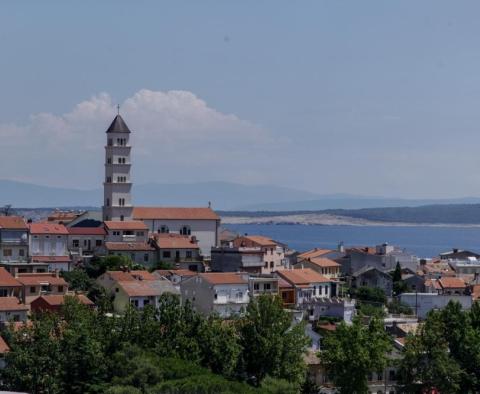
[{"x": 184, "y": 251}]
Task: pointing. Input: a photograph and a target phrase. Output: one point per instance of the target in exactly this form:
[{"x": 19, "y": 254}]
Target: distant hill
[{"x": 223, "y": 196}]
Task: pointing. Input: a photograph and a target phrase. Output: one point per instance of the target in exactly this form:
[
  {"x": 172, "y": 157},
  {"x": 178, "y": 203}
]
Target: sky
[{"x": 379, "y": 98}]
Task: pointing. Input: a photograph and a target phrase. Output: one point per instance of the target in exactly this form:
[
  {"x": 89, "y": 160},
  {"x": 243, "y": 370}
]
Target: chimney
[{"x": 341, "y": 247}]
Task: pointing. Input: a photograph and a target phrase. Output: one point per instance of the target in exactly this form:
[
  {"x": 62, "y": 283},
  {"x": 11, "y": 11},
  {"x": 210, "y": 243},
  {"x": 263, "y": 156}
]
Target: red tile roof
[
  {"x": 39, "y": 278},
  {"x": 4, "y": 348},
  {"x": 323, "y": 262},
  {"x": 48, "y": 228},
  {"x": 127, "y": 225},
  {"x": 123, "y": 276},
  {"x": 179, "y": 272},
  {"x": 314, "y": 253},
  {"x": 259, "y": 240},
  {"x": 299, "y": 277},
  {"x": 13, "y": 222},
  {"x": 146, "y": 288},
  {"x": 223, "y": 278},
  {"x": 86, "y": 231},
  {"x": 7, "y": 280},
  {"x": 11, "y": 304},
  {"x": 174, "y": 241},
  {"x": 452, "y": 283},
  {"x": 174, "y": 213},
  {"x": 129, "y": 246},
  {"x": 57, "y": 300}
]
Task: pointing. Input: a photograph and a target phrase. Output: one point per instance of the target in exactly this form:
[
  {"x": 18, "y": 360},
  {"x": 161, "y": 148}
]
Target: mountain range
[{"x": 222, "y": 195}]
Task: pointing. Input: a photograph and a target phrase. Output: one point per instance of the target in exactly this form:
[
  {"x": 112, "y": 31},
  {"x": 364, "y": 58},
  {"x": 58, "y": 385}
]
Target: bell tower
[{"x": 117, "y": 186}]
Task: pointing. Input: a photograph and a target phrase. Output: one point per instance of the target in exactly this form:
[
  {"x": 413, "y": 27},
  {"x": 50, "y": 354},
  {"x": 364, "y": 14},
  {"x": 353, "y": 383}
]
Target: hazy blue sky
[{"x": 366, "y": 97}]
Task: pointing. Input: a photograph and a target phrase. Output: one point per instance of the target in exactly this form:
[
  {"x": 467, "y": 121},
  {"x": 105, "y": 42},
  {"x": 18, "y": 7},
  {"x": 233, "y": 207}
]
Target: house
[
  {"x": 331, "y": 307},
  {"x": 273, "y": 253},
  {"x": 226, "y": 237},
  {"x": 13, "y": 242},
  {"x": 48, "y": 245},
  {"x": 84, "y": 242},
  {"x": 436, "y": 269},
  {"x": 237, "y": 259},
  {"x": 322, "y": 265},
  {"x": 384, "y": 257},
  {"x": 141, "y": 253},
  {"x": 126, "y": 231},
  {"x": 372, "y": 277},
  {"x": 468, "y": 266},
  {"x": 307, "y": 284},
  {"x": 9, "y": 286},
  {"x": 54, "y": 303},
  {"x": 63, "y": 217},
  {"x": 175, "y": 276},
  {"x": 223, "y": 293},
  {"x": 202, "y": 223},
  {"x": 40, "y": 283},
  {"x": 12, "y": 309},
  {"x": 413, "y": 281},
  {"x": 458, "y": 254},
  {"x": 422, "y": 303},
  {"x": 287, "y": 293},
  {"x": 182, "y": 251},
  {"x": 259, "y": 284},
  {"x": 135, "y": 288},
  {"x": 451, "y": 286}
]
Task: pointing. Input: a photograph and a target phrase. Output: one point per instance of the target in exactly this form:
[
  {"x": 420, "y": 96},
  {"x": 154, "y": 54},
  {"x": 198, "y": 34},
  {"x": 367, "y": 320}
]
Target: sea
[{"x": 423, "y": 241}]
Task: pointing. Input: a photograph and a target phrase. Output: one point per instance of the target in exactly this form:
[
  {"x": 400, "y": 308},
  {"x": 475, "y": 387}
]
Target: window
[
  {"x": 122, "y": 218},
  {"x": 60, "y": 289},
  {"x": 239, "y": 295},
  {"x": 177, "y": 254},
  {"x": 21, "y": 252},
  {"x": 109, "y": 160},
  {"x": 193, "y": 267},
  {"x": 32, "y": 289},
  {"x": 266, "y": 286},
  {"x": 185, "y": 230},
  {"x": 163, "y": 229},
  {"x": 391, "y": 375},
  {"x": 146, "y": 302},
  {"x": 110, "y": 142},
  {"x": 116, "y": 290},
  {"x": 266, "y": 264},
  {"x": 188, "y": 254},
  {"x": 76, "y": 243},
  {"x": 145, "y": 257},
  {"x": 7, "y": 252},
  {"x": 271, "y": 264},
  {"x": 140, "y": 233},
  {"x": 108, "y": 204},
  {"x": 3, "y": 293},
  {"x": 256, "y": 286},
  {"x": 166, "y": 254},
  {"x": 121, "y": 202},
  {"x": 109, "y": 179},
  {"x": 98, "y": 242},
  {"x": 215, "y": 296},
  {"x": 85, "y": 243}
]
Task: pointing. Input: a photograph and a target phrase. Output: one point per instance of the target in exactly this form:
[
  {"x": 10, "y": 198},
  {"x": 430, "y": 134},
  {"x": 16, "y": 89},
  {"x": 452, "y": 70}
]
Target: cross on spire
[{"x": 118, "y": 109}]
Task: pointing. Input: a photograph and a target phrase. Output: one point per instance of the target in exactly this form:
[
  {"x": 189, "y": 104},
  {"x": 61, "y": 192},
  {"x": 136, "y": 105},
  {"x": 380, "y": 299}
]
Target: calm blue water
[{"x": 422, "y": 241}]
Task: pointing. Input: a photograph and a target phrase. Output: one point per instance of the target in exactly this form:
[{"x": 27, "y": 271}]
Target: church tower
[{"x": 117, "y": 186}]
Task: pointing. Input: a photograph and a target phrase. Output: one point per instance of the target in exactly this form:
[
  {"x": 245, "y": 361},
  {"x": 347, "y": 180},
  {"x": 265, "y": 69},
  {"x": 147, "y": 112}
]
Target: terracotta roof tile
[
  {"x": 256, "y": 239},
  {"x": 174, "y": 213},
  {"x": 48, "y": 228},
  {"x": 56, "y": 300},
  {"x": 322, "y": 262},
  {"x": 300, "y": 277},
  {"x": 314, "y": 253},
  {"x": 13, "y": 222},
  {"x": 12, "y": 304},
  {"x": 174, "y": 241},
  {"x": 7, "y": 280},
  {"x": 38, "y": 278},
  {"x": 51, "y": 259},
  {"x": 452, "y": 283},
  {"x": 226, "y": 278},
  {"x": 4, "y": 348},
  {"x": 124, "y": 276},
  {"x": 147, "y": 288}
]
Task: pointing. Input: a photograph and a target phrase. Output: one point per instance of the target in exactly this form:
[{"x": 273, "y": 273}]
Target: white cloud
[{"x": 176, "y": 137}]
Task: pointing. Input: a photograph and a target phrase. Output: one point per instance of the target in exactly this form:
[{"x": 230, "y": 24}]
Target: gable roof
[
  {"x": 39, "y": 278},
  {"x": 174, "y": 213},
  {"x": 12, "y": 304},
  {"x": 147, "y": 288},
  {"x": 223, "y": 278},
  {"x": 126, "y": 225},
  {"x": 368, "y": 268},
  {"x": 314, "y": 253},
  {"x": 303, "y": 276},
  {"x": 13, "y": 222},
  {"x": 452, "y": 283},
  {"x": 7, "y": 280},
  {"x": 48, "y": 228},
  {"x": 59, "y": 299},
  {"x": 123, "y": 276},
  {"x": 322, "y": 262},
  {"x": 174, "y": 241},
  {"x": 118, "y": 125},
  {"x": 4, "y": 348},
  {"x": 258, "y": 239}
]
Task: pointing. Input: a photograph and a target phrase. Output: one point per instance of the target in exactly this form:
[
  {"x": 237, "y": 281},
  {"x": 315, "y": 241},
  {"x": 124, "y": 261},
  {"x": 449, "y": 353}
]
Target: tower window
[
  {"x": 109, "y": 179},
  {"x": 109, "y": 160},
  {"x": 121, "y": 202},
  {"x": 108, "y": 202},
  {"x": 110, "y": 142}
]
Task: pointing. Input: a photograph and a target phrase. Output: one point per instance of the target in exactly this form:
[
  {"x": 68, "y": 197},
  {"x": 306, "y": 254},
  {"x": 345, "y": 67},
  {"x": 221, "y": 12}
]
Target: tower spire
[{"x": 118, "y": 109}]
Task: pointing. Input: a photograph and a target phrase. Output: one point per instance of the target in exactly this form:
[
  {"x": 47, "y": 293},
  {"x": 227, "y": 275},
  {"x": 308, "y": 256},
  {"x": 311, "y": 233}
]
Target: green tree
[
  {"x": 351, "y": 352},
  {"x": 99, "y": 265},
  {"x": 397, "y": 274},
  {"x": 426, "y": 363},
  {"x": 272, "y": 346},
  {"x": 77, "y": 279}
]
